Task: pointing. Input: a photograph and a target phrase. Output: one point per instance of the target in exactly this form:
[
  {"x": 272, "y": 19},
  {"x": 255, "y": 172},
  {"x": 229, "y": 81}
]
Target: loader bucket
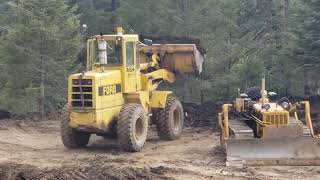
[
  {"x": 300, "y": 151},
  {"x": 177, "y": 58}
]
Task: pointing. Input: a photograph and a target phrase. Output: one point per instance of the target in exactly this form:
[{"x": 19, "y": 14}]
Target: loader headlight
[
  {"x": 285, "y": 105},
  {"x": 119, "y": 39}
]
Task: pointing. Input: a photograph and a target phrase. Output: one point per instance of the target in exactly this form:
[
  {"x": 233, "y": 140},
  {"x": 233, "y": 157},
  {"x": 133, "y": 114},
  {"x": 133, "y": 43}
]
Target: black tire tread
[
  {"x": 70, "y": 137},
  {"x": 125, "y": 127},
  {"x": 163, "y": 121}
]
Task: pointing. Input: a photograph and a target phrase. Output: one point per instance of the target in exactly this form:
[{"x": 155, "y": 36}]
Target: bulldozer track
[
  {"x": 240, "y": 129},
  {"x": 306, "y": 130}
]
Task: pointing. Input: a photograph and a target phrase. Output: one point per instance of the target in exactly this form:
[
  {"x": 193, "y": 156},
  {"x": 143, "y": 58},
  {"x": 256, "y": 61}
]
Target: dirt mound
[
  {"x": 315, "y": 112},
  {"x": 317, "y": 128},
  {"x": 200, "y": 115},
  {"x": 174, "y": 40},
  {"x": 4, "y": 114},
  {"x": 11, "y": 171}
]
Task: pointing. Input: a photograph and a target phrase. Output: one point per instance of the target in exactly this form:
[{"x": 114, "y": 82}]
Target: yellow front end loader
[
  {"x": 258, "y": 132},
  {"x": 117, "y": 94}
]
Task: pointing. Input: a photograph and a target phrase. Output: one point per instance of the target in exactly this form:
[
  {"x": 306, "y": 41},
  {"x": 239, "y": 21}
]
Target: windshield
[{"x": 113, "y": 53}]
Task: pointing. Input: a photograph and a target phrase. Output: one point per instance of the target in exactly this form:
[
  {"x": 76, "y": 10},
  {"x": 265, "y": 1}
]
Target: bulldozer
[
  {"x": 257, "y": 130},
  {"x": 117, "y": 93}
]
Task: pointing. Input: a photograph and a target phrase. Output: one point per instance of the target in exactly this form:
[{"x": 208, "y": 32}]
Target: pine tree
[{"x": 39, "y": 50}]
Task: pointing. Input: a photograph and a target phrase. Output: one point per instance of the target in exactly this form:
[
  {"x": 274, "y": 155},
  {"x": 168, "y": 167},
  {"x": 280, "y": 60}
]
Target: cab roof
[{"x": 124, "y": 36}]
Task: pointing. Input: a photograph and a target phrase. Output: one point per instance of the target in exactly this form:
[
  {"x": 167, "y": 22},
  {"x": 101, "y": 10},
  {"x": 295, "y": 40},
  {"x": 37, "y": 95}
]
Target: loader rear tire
[
  {"x": 169, "y": 120},
  {"x": 71, "y": 138},
  {"x": 132, "y": 127}
]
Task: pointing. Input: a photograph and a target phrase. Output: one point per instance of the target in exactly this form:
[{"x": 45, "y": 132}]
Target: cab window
[
  {"x": 129, "y": 53},
  {"x": 113, "y": 53},
  {"x": 89, "y": 54},
  {"x": 137, "y": 57}
]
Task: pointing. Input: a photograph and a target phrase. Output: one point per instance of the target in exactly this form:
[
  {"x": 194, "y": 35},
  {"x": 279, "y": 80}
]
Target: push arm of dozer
[
  {"x": 224, "y": 121},
  {"x": 307, "y": 113},
  {"x": 308, "y": 116}
]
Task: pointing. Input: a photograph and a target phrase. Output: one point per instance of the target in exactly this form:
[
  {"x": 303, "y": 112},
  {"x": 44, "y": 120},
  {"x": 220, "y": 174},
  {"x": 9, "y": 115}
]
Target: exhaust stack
[
  {"x": 263, "y": 91},
  {"x": 103, "y": 56}
]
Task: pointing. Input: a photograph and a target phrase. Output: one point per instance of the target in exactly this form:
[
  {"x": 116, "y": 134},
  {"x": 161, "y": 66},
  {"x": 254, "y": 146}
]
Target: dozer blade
[{"x": 301, "y": 151}]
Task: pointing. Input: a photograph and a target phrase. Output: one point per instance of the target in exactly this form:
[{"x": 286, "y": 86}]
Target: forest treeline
[{"x": 42, "y": 42}]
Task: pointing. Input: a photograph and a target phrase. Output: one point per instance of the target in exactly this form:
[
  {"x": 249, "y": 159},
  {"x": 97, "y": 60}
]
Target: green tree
[
  {"x": 245, "y": 40},
  {"x": 99, "y": 15},
  {"x": 309, "y": 35},
  {"x": 39, "y": 51}
]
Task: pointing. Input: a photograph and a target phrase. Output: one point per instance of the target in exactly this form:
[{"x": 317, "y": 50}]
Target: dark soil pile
[
  {"x": 317, "y": 129},
  {"x": 200, "y": 115},
  {"x": 315, "y": 112},
  {"x": 174, "y": 40},
  {"x": 10, "y": 171},
  {"x": 4, "y": 114}
]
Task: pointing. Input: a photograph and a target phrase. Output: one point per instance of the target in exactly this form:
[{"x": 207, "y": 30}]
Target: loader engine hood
[
  {"x": 93, "y": 89},
  {"x": 268, "y": 107}
]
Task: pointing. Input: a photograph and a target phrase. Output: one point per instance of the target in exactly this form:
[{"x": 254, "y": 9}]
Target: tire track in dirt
[{"x": 197, "y": 155}]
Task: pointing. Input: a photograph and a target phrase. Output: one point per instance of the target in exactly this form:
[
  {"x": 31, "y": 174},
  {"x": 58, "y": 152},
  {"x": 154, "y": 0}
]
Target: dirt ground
[{"x": 33, "y": 150}]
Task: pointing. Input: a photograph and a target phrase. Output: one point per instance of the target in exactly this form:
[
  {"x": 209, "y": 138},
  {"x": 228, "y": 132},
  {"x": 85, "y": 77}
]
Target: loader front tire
[
  {"x": 71, "y": 138},
  {"x": 132, "y": 127},
  {"x": 169, "y": 120}
]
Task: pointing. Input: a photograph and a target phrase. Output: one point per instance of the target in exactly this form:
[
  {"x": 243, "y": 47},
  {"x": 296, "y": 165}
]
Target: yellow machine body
[
  {"x": 265, "y": 133},
  {"x": 274, "y": 118},
  {"x": 97, "y": 95}
]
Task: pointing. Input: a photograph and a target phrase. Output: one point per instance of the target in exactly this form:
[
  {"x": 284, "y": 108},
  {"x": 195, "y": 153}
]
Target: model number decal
[
  {"x": 110, "y": 89},
  {"x": 130, "y": 69}
]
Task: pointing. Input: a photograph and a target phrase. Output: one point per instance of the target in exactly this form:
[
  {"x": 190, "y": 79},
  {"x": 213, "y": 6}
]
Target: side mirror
[
  {"x": 243, "y": 95},
  {"x": 272, "y": 94},
  {"x": 148, "y": 42}
]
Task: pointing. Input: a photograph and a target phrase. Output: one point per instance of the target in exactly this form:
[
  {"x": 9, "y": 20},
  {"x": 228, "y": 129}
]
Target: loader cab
[{"x": 118, "y": 52}]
